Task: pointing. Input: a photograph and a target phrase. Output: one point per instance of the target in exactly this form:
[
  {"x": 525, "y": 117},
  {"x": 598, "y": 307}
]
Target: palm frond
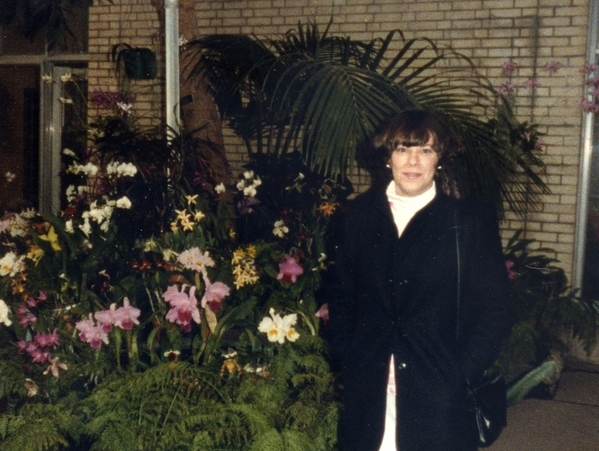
[{"x": 326, "y": 96}]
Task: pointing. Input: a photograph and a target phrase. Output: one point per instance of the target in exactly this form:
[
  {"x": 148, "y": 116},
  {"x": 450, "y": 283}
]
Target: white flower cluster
[
  {"x": 124, "y": 107},
  {"x": 100, "y": 214},
  {"x": 4, "y": 313},
  {"x": 17, "y": 224},
  {"x": 88, "y": 169},
  {"x": 249, "y": 183},
  {"x": 280, "y": 229},
  {"x": 278, "y": 328},
  {"x": 117, "y": 169},
  {"x": 73, "y": 191},
  {"x": 11, "y": 264}
]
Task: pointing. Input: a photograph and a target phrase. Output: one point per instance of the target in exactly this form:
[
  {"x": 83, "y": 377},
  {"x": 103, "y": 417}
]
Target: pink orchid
[
  {"x": 90, "y": 333},
  {"x": 32, "y": 350},
  {"x": 588, "y": 106},
  {"x": 539, "y": 144},
  {"x": 22, "y": 345},
  {"x": 97, "y": 336},
  {"x": 126, "y": 316},
  {"x": 289, "y": 270},
  {"x": 106, "y": 317},
  {"x": 505, "y": 89},
  {"x": 593, "y": 81},
  {"x": 41, "y": 296},
  {"x": 183, "y": 307},
  {"x": 46, "y": 340},
  {"x": 84, "y": 326},
  {"x": 27, "y": 318},
  {"x": 590, "y": 68},
  {"x": 532, "y": 84},
  {"x": 40, "y": 356},
  {"x": 31, "y": 302},
  {"x": 508, "y": 67},
  {"x": 509, "y": 264},
  {"x": 323, "y": 313},
  {"x": 553, "y": 67},
  {"x": 214, "y": 294}
]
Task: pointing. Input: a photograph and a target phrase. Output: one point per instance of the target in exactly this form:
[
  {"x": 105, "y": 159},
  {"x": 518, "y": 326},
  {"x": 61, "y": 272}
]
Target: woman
[{"x": 394, "y": 303}]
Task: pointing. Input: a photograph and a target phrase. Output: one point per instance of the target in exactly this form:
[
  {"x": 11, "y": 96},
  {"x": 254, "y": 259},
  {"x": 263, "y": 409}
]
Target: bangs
[{"x": 410, "y": 138}]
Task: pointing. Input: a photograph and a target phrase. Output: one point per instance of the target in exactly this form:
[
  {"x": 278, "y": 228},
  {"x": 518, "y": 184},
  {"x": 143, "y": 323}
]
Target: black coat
[{"x": 399, "y": 295}]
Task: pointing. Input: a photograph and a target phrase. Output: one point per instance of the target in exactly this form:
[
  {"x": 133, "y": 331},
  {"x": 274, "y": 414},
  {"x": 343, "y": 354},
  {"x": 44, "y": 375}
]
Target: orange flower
[{"x": 327, "y": 209}]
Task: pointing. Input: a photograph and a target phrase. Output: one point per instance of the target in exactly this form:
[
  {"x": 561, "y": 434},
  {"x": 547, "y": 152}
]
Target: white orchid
[
  {"x": 123, "y": 202},
  {"x": 11, "y": 264},
  {"x": 69, "y": 152},
  {"x": 68, "y": 226},
  {"x": 280, "y": 229},
  {"x": 4, "y": 313},
  {"x": 124, "y": 107},
  {"x": 278, "y": 328}
]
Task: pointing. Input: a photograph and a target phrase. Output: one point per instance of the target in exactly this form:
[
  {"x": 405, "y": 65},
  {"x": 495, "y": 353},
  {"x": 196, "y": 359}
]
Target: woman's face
[{"x": 413, "y": 168}]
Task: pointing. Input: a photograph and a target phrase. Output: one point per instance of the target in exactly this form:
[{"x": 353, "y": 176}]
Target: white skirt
[{"x": 388, "y": 443}]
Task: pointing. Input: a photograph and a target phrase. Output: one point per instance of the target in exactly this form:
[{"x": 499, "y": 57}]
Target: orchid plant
[
  {"x": 145, "y": 267},
  {"x": 588, "y": 103}
]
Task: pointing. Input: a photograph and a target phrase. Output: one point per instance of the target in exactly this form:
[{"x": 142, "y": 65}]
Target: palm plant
[{"x": 326, "y": 96}]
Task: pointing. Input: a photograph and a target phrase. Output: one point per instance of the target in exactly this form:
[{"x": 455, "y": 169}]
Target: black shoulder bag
[{"x": 487, "y": 401}]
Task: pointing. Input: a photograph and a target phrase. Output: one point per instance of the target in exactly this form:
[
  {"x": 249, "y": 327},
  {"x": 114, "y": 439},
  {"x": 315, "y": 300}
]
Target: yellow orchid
[
  {"x": 52, "y": 238},
  {"x": 35, "y": 253},
  {"x": 187, "y": 224},
  {"x": 182, "y": 215},
  {"x": 191, "y": 200}
]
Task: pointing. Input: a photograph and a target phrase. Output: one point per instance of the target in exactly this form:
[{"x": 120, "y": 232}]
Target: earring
[
  {"x": 439, "y": 167},
  {"x": 388, "y": 166}
]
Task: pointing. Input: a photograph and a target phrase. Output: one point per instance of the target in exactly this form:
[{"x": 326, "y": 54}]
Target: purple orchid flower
[{"x": 289, "y": 270}]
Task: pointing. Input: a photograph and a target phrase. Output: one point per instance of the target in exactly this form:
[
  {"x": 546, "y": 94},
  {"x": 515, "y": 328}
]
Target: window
[{"x": 34, "y": 122}]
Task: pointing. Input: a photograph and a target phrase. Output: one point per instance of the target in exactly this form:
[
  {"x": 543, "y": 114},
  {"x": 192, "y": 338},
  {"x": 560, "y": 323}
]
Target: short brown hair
[{"x": 416, "y": 128}]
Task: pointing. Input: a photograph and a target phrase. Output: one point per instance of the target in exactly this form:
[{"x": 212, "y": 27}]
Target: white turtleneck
[{"x": 403, "y": 210}]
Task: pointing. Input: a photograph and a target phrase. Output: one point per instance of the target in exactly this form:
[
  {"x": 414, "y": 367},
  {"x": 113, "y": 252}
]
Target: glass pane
[
  {"x": 12, "y": 42},
  {"x": 73, "y": 122},
  {"x": 70, "y": 31},
  {"x": 74, "y": 42}
]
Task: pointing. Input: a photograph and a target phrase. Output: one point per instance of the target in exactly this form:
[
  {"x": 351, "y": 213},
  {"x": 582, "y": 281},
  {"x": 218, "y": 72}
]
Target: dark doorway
[{"x": 19, "y": 137}]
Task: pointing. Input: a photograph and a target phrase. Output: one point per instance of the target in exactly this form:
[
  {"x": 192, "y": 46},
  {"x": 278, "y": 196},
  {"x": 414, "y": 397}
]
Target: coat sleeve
[
  {"x": 341, "y": 293},
  {"x": 487, "y": 313}
]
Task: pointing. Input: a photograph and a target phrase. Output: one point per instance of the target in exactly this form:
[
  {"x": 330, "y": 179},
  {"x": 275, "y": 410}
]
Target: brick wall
[
  {"x": 529, "y": 32},
  {"x": 137, "y": 24}
]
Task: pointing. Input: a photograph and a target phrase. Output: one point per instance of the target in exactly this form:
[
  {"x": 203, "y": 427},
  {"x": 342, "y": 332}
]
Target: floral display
[{"x": 143, "y": 269}]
